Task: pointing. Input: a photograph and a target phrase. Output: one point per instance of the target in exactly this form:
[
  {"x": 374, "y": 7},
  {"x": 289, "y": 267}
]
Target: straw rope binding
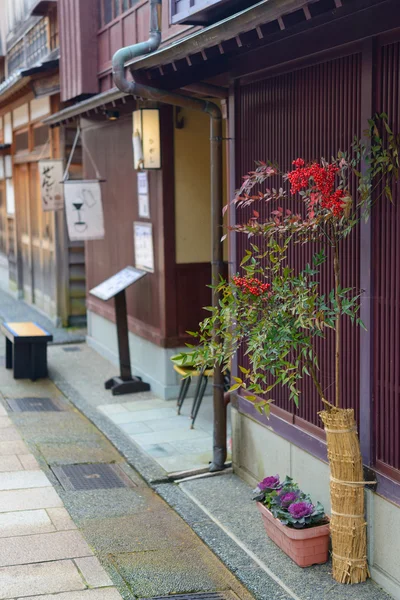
[{"x": 347, "y": 524}]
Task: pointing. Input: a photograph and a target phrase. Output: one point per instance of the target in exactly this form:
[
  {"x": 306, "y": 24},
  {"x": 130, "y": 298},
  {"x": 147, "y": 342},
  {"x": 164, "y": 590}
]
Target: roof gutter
[{"x": 131, "y": 87}]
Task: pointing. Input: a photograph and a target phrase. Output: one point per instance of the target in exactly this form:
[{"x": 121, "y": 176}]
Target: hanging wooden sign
[
  {"x": 84, "y": 210},
  {"x": 52, "y": 189}
]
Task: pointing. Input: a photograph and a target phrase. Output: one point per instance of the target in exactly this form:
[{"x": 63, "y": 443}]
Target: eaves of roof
[
  {"x": 214, "y": 35},
  {"x": 95, "y": 102}
]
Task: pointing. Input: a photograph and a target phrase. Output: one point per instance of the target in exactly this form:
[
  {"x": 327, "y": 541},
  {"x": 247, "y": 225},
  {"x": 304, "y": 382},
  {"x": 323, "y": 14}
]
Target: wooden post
[
  {"x": 121, "y": 318},
  {"x": 366, "y": 280}
]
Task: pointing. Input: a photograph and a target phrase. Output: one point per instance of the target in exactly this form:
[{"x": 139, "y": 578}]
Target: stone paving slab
[
  {"x": 102, "y": 594},
  {"x": 5, "y": 422},
  {"x": 42, "y": 547},
  {"x": 9, "y": 434},
  {"x": 42, "y": 578},
  {"x": 61, "y": 519},
  {"x": 26, "y": 522},
  {"x": 23, "y": 480},
  {"x": 10, "y": 463},
  {"x": 93, "y": 572},
  {"x": 9, "y": 448},
  {"x": 29, "y": 462},
  {"x": 29, "y": 499}
]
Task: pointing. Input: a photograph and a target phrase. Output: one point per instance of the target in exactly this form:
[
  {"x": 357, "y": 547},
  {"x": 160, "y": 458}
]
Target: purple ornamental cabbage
[
  {"x": 270, "y": 483},
  {"x": 288, "y": 498},
  {"x": 299, "y": 510}
]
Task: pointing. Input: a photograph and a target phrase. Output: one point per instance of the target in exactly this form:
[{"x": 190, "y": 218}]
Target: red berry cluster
[
  {"x": 320, "y": 180},
  {"x": 251, "y": 285}
]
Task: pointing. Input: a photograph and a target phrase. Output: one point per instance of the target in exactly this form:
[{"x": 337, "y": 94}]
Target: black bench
[{"x": 26, "y": 349}]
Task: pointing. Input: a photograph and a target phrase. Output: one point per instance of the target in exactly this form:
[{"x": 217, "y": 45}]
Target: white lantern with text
[{"x": 146, "y": 139}]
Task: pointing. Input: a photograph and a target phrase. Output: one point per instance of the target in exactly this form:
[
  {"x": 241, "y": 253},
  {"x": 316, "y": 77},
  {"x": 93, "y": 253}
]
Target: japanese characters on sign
[
  {"x": 143, "y": 195},
  {"x": 117, "y": 283},
  {"x": 51, "y": 175},
  {"x": 143, "y": 242},
  {"x": 84, "y": 210}
]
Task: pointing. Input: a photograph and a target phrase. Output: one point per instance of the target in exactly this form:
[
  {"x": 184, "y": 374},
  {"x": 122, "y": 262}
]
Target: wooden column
[{"x": 366, "y": 277}]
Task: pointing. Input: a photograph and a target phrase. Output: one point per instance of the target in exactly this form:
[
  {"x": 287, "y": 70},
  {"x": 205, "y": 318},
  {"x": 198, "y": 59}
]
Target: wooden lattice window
[
  {"x": 16, "y": 57},
  {"x": 37, "y": 42},
  {"x": 22, "y": 141},
  {"x": 40, "y": 136},
  {"x": 112, "y": 9}
]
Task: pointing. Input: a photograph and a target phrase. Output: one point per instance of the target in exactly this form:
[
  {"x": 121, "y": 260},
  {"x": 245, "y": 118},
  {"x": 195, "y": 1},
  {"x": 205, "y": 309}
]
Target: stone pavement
[
  {"x": 87, "y": 541},
  {"x": 152, "y": 423},
  {"x": 41, "y": 550},
  {"x": 17, "y": 310},
  {"x": 218, "y": 509}
]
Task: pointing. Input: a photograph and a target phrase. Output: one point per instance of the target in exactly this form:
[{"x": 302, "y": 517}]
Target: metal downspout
[{"x": 131, "y": 87}]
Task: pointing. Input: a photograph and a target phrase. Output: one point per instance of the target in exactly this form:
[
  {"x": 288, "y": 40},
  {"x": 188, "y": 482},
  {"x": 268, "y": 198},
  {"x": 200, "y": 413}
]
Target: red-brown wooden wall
[
  {"x": 386, "y": 255},
  {"x": 310, "y": 112}
]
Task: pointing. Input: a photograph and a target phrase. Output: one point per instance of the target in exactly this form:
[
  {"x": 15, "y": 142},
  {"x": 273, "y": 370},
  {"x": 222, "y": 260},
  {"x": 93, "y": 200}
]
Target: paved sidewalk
[
  {"x": 218, "y": 509},
  {"x": 41, "y": 551},
  {"x": 91, "y": 540}
]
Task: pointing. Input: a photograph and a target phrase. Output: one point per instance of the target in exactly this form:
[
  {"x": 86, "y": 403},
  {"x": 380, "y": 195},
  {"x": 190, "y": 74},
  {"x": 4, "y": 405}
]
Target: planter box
[{"x": 305, "y": 547}]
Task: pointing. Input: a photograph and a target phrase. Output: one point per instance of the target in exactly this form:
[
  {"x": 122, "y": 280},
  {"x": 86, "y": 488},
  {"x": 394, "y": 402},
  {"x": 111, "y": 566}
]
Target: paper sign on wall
[
  {"x": 144, "y": 253},
  {"x": 52, "y": 190},
  {"x": 84, "y": 210},
  {"x": 143, "y": 195}
]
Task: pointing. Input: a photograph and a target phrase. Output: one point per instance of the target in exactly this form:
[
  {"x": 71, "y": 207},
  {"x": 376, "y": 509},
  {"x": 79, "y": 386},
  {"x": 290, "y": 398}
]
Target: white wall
[{"x": 149, "y": 361}]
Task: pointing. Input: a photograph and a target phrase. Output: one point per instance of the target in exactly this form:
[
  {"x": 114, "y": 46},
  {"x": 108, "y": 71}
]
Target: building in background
[
  {"x": 168, "y": 302},
  {"x": 36, "y": 260}
]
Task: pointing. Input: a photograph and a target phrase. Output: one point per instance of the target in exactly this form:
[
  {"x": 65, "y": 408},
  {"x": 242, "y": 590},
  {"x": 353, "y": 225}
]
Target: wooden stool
[
  {"x": 26, "y": 349},
  {"x": 187, "y": 373}
]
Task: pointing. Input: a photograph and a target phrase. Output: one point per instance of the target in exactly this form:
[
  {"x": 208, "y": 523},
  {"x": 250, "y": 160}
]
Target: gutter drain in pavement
[
  {"x": 34, "y": 405},
  {"x": 99, "y": 476},
  {"x": 72, "y": 349}
]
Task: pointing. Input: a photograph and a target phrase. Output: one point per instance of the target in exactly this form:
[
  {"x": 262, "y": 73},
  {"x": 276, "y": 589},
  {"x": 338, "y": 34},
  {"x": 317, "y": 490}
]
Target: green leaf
[{"x": 234, "y": 387}]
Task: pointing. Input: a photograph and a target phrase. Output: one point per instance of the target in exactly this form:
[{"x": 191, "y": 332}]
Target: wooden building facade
[
  {"x": 168, "y": 302},
  {"x": 37, "y": 261}
]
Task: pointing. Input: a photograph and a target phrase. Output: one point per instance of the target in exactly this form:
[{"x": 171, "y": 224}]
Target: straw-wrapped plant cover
[
  {"x": 348, "y": 525},
  {"x": 276, "y": 313}
]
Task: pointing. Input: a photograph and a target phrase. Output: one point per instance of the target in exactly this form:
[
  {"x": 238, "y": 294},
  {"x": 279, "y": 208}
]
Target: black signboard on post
[{"x": 115, "y": 288}]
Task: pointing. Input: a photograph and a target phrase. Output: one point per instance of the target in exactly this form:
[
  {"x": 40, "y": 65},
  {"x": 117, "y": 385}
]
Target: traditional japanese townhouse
[
  {"x": 303, "y": 77},
  {"x": 169, "y": 300},
  {"x": 36, "y": 260}
]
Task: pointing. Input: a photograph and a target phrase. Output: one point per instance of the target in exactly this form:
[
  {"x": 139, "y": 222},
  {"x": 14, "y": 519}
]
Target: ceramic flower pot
[{"x": 305, "y": 547}]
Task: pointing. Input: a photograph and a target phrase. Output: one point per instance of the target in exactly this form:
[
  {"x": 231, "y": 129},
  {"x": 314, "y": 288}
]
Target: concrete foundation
[
  {"x": 258, "y": 452},
  {"x": 148, "y": 361}
]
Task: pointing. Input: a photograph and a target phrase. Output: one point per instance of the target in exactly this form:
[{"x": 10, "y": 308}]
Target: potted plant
[
  {"x": 277, "y": 313},
  {"x": 292, "y": 521}
]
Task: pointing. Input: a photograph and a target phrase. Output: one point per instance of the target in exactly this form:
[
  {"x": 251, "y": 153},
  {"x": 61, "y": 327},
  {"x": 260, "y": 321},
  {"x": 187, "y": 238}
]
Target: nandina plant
[
  {"x": 276, "y": 313},
  {"x": 270, "y": 310}
]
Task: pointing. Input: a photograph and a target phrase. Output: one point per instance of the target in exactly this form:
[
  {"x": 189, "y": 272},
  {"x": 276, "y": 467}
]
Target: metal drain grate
[
  {"x": 71, "y": 349},
  {"x": 34, "y": 405},
  {"x": 200, "y": 596},
  {"x": 98, "y": 476}
]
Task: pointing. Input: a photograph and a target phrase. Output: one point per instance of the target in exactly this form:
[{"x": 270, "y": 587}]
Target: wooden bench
[{"x": 26, "y": 349}]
